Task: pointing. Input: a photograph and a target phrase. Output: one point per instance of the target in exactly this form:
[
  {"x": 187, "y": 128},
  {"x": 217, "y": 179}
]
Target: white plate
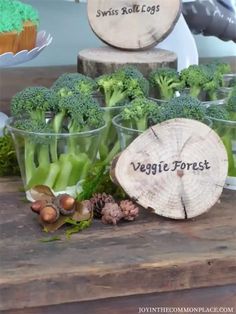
[{"x": 9, "y": 59}]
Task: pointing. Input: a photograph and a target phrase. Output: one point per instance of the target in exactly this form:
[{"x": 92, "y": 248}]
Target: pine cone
[
  {"x": 111, "y": 213},
  {"x": 129, "y": 209},
  {"x": 98, "y": 201}
]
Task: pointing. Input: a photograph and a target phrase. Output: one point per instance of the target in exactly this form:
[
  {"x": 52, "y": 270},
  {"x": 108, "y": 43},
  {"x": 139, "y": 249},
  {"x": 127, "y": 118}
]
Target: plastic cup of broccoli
[
  {"x": 60, "y": 161},
  {"x": 229, "y": 81},
  {"x": 226, "y": 129},
  {"x": 109, "y": 145},
  {"x": 126, "y": 134}
]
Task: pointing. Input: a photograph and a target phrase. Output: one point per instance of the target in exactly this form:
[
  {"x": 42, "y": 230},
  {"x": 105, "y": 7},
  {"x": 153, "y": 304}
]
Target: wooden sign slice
[
  {"x": 132, "y": 24},
  {"x": 178, "y": 168}
]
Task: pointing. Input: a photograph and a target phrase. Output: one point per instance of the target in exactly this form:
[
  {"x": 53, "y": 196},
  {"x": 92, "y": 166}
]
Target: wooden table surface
[{"x": 135, "y": 263}]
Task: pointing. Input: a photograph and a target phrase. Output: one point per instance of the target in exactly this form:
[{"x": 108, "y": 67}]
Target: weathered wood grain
[
  {"x": 149, "y": 256},
  {"x": 97, "y": 61},
  {"x": 178, "y": 168},
  {"x": 216, "y": 297},
  {"x": 132, "y": 25}
]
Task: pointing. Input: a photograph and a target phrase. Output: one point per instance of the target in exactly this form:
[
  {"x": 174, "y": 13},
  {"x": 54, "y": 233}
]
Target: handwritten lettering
[
  {"x": 135, "y": 9},
  {"x": 155, "y": 168}
]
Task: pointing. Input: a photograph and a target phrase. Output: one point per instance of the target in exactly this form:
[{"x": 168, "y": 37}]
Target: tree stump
[
  {"x": 177, "y": 168},
  {"x": 132, "y": 24},
  {"x": 97, "y": 61}
]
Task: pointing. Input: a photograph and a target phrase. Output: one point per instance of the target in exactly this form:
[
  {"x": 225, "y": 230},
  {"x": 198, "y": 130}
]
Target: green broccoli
[
  {"x": 231, "y": 104},
  {"x": 125, "y": 84},
  {"x": 35, "y": 102},
  {"x": 217, "y": 112},
  {"x": 54, "y": 159},
  {"x": 70, "y": 83},
  {"x": 184, "y": 106},
  {"x": 195, "y": 77},
  {"x": 139, "y": 112},
  {"x": 167, "y": 81},
  {"x": 232, "y": 82},
  {"x": 226, "y": 130}
]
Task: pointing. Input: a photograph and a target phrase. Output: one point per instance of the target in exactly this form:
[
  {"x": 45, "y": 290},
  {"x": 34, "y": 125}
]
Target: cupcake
[
  {"x": 10, "y": 28},
  {"x": 30, "y": 21}
]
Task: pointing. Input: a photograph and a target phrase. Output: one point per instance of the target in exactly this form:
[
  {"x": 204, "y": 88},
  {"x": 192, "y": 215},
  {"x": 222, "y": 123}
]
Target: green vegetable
[
  {"x": 118, "y": 89},
  {"x": 195, "y": 77},
  {"x": 167, "y": 82},
  {"x": 125, "y": 84},
  {"x": 57, "y": 161},
  {"x": 72, "y": 83},
  {"x": 231, "y": 105},
  {"x": 217, "y": 112},
  {"x": 184, "y": 106},
  {"x": 143, "y": 113},
  {"x": 139, "y": 112}
]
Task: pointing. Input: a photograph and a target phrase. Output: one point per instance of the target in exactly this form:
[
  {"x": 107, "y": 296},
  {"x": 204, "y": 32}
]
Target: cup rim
[
  {"x": 24, "y": 132},
  {"x": 230, "y": 122},
  {"x": 117, "y": 125}
]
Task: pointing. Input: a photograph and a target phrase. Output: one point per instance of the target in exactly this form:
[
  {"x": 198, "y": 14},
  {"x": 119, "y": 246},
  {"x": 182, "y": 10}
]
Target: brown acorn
[
  {"x": 65, "y": 203},
  {"x": 37, "y": 206},
  {"x": 49, "y": 214}
]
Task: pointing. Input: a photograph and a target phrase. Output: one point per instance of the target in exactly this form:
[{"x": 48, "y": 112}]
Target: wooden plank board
[
  {"x": 149, "y": 256},
  {"x": 219, "y": 297}
]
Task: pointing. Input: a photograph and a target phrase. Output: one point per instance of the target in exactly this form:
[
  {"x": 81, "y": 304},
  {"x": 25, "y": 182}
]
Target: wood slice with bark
[
  {"x": 104, "y": 60},
  {"x": 132, "y": 24},
  {"x": 177, "y": 168}
]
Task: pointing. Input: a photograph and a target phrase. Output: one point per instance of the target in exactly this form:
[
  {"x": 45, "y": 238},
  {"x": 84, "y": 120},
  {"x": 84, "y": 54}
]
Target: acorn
[
  {"x": 37, "y": 206},
  {"x": 65, "y": 203},
  {"x": 50, "y": 213}
]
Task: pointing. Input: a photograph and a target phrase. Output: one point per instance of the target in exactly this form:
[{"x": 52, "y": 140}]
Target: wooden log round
[
  {"x": 132, "y": 24},
  {"x": 97, "y": 61},
  {"x": 177, "y": 168}
]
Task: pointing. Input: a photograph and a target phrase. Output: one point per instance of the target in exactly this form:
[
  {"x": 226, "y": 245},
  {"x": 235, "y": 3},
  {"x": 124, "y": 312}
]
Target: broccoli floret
[
  {"x": 217, "y": 112},
  {"x": 83, "y": 112},
  {"x": 71, "y": 83},
  {"x": 134, "y": 81},
  {"x": 231, "y": 104},
  {"x": 219, "y": 67},
  {"x": 167, "y": 81},
  {"x": 45, "y": 160},
  {"x": 138, "y": 113},
  {"x": 35, "y": 102},
  {"x": 184, "y": 106},
  {"x": 126, "y": 83},
  {"x": 195, "y": 77},
  {"x": 232, "y": 82}
]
